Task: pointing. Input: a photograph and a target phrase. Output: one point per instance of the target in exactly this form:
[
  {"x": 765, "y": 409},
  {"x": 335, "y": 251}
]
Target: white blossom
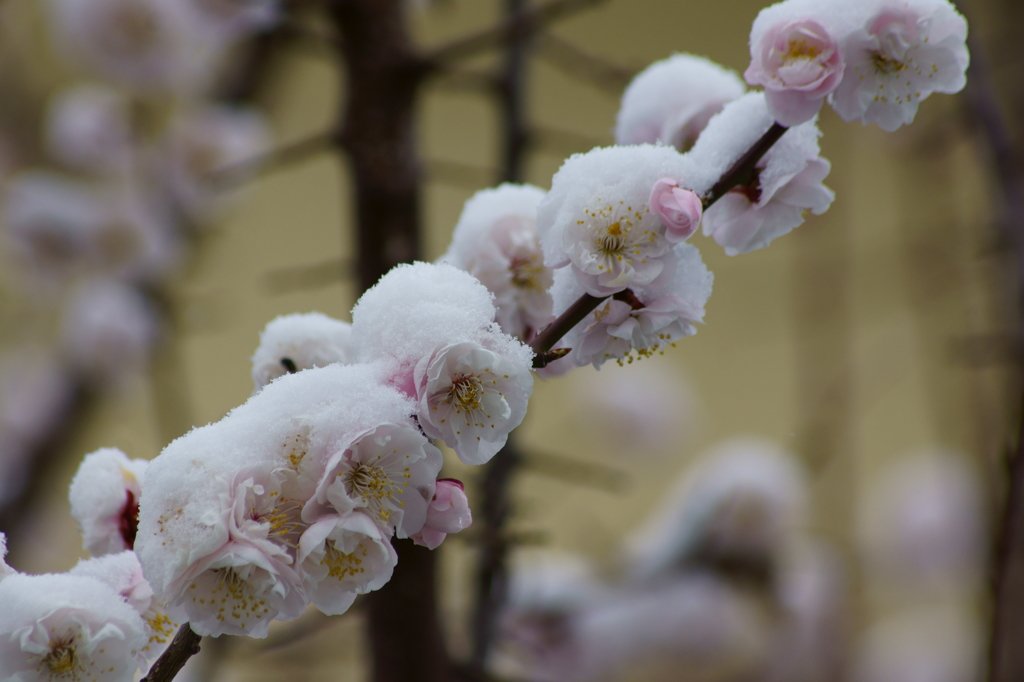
[
  {"x": 67, "y": 627},
  {"x": 648, "y": 320},
  {"x": 104, "y": 499},
  {"x": 672, "y": 100},
  {"x": 122, "y": 572},
  {"x": 496, "y": 241},
  {"x": 897, "y": 57},
  {"x": 88, "y": 127},
  {"x": 206, "y": 151},
  {"x": 471, "y": 397},
  {"x": 388, "y": 472},
  {"x": 292, "y": 343},
  {"x": 787, "y": 183},
  {"x": 342, "y": 556},
  {"x": 5, "y": 570},
  {"x": 740, "y": 503},
  {"x": 147, "y": 45},
  {"x": 108, "y": 331}
]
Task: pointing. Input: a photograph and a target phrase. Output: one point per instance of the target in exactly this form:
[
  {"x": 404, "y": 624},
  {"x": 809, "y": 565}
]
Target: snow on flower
[
  {"x": 104, "y": 499},
  {"x": 204, "y": 141},
  {"x": 596, "y": 217},
  {"x": 67, "y": 627},
  {"x": 343, "y": 556},
  {"x": 738, "y": 504},
  {"x": 221, "y": 514},
  {"x": 496, "y": 241},
  {"x": 798, "y": 63},
  {"x": 645, "y": 320},
  {"x": 672, "y": 100},
  {"x": 787, "y": 183},
  {"x": 108, "y": 330},
  {"x": 388, "y": 472},
  {"x": 678, "y": 209},
  {"x": 471, "y": 397},
  {"x": 447, "y": 513},
  {"x": 898, "y": 57},
  {"x": 88, "y": 127},
  {"x": 5, "y": 570},
  {"x": 123, "y": 573},
  {"x": 292, "y": 343}
]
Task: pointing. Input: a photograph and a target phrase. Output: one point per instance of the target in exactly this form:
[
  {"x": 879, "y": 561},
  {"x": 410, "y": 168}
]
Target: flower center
[
  {"x": 800, "y": 49},
  {"x": 368, "y": 482},
  {"x": 466, "y": 392},
  {"x": 526, "y": 272},
  {"x": 132, "y": 30},
  {"x": 61, "y": 659},
  {"x": 341, "y": 565},
  {"x": 885, "y": 65},
  {"x": 613, "y": 241}
]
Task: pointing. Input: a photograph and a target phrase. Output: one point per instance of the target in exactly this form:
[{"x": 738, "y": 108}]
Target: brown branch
[
  {"x": 496, "y": 36},
  {"x": 184, "y": 646},
  {"x": 276, "y": 159},
  {"x": 577, "y": 62},
  {"x": 741, "y": 173}
]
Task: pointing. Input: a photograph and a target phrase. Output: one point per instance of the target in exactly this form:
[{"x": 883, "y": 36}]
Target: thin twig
[
  {"x": 274, "y": 160},
  {"x": 741, "y": 173},
  {"x": 577, "y": 62},
  {"x": 184, "y": 646},
  {"x": 496, "y": 36}
]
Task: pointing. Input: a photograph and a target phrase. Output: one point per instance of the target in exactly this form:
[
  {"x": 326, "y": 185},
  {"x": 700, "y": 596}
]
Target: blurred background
[{"x": 805, "y": 490}]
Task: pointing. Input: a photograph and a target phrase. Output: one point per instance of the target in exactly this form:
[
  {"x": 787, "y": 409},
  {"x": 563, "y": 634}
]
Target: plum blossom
[
  {"x": 123, "y": 573},
  {"x": 342, "y": 556},
  {"x": 104, "y": 499},
  {"x": 596, "y": 217},
  {"x": 496, "y": 241},
  {"x": 388, "y": 472},
  {"x": 67, "y": 627},
  {"x": 447, "y": 513},
  {"x": 672, "y": 100},
  {"x": 739, "y": 504},
  {"x": 108, "y": 331},
  {"x": 798, "y": 63},
  {"x": 897, "y": 58},
  {"x": 203, "y": 141},
  {"x": 787, "y": 183},
  {"x": 678, "y": 209},
  {"x": 472, "y": 397},
  {"x": 88, "y": 127},
  {"x": 250, "y": 580},
  {"x": 147, "y": 45},
  {"x": 292, "y": 343},
  {"x": 644, "y": 320}
]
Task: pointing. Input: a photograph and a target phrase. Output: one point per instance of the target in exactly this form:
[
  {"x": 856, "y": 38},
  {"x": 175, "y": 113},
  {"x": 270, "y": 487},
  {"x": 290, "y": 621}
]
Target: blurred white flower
[
  {"x": 737, "y": 507},
  {"x": 921, "y": 525},
  {"x": 204, "y": 145},
  {"x": 108, "y": 331},
  {"x": 88, "y": 127},
  {"x": 5, "y": 570},
  {"x": 229, "y": 20}
]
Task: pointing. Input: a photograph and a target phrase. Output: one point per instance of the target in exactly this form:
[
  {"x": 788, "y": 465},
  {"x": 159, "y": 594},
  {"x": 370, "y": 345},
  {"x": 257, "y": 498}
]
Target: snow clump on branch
[
  {"x": 672, "y": 100},
  {"x": 292, "y": 343}
]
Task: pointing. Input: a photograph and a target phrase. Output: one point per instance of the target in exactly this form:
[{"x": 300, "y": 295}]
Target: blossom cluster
[
  {"x": 873, "y": 61},
  {"x": 293, "y": 497}
]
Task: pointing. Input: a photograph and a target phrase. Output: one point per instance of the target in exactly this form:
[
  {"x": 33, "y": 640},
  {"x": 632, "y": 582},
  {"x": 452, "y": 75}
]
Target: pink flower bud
[
  {"x": 678, "y": 209},
  {"x": 448, "y": 513},
  {"x": 799, "y": 63}
]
